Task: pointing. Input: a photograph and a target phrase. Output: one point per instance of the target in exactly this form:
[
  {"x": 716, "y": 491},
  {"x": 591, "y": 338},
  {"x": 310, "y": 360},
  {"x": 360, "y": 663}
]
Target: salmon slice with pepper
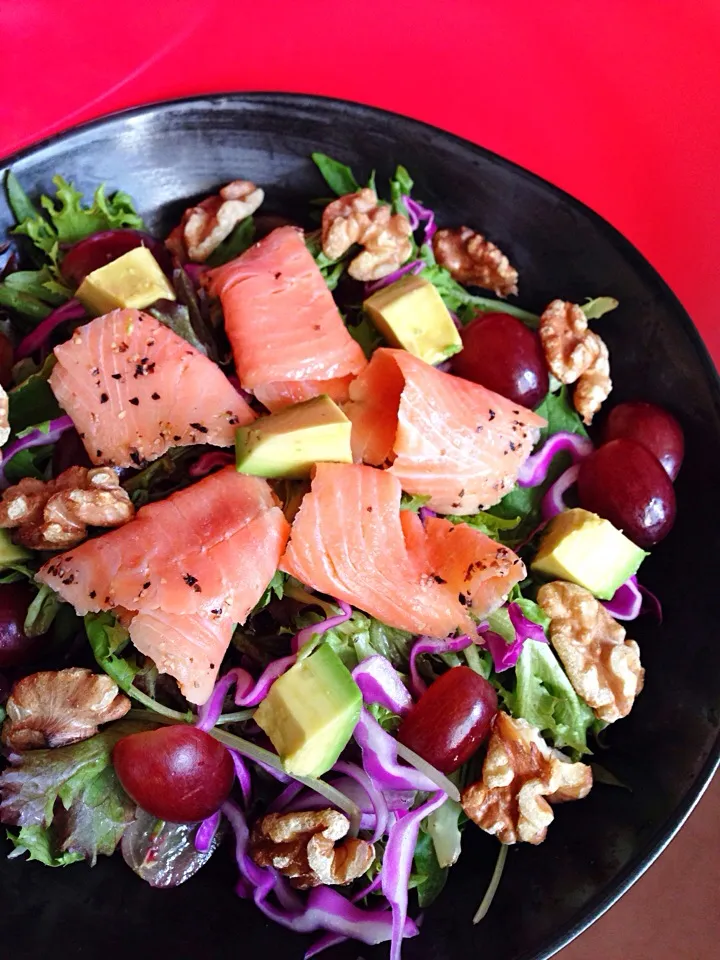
[
  {"x": 440, "y": 435},
  {"x": 351, "y": 540},
  {"x": 134, "y": 388},
  {"x": 188, "y": 568},
  {"x": 282, "y": 322}
]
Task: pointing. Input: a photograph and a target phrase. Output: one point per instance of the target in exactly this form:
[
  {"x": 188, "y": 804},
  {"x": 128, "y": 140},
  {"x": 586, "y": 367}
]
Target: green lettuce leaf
[
  {"x": 39, "y": 843},
  {"x": 42, "y": 611},
  {"x": 413, "y": 502},
  {"x": 177, "y": 317},
  {"x": 32, "y": 401},
  {"x": 400, "y": 185},
  {"x": 594, "y": 309},
  {"x": 33, "y": 293},
  {"x": 73, "y": 793},
  {"x": 361, "y": 637},
  {"x": 337, "y": 176},
  {"x": 430, "y": 876},
  {"x": 495, "y": 527},
  {"x": 544, "y": 696},
  {"x": 274, "y": 590}
]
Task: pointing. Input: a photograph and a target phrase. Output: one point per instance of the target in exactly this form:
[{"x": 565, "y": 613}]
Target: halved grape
[
  {"x": 16, "y": 649},
  {"x": 653, "y": 427}
]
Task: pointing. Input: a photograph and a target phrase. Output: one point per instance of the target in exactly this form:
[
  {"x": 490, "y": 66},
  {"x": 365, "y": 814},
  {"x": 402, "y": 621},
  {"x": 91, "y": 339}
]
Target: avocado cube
[
  {"x": 310, "y": 713},
  {"x": 410, "y": 314},
  {"x": 10, "y": 552},
  {"x": 288, "y": 443},
  {"x": 133, "y": 280},
  {"x": 581, "y": 547}
]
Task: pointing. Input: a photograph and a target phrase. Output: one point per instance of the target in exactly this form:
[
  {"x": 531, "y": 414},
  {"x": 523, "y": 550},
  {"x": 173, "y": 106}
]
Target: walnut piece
[
  {"x": 359, "y": 218},
  {"x": 303, "y": 846},
  {"x": 204, "y": 227},
  {"x": 574, "y": 353},
  {"x": 521, "y": 777},
  {"x": 4, "y": 421},
  {"x": 603, "y": 667},
  {"x": 471, "y": 259},
  {"x": 55, "y": 514},
  {"x": 56, "y": 707}
]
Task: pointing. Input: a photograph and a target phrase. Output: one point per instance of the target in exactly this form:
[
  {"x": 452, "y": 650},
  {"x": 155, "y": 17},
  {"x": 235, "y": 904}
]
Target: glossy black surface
[{"x": 665, "y": 751}]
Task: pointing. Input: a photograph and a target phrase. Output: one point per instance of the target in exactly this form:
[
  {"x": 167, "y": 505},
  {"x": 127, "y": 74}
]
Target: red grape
[
  {"x": 16, "y": 648},
  {"x": 653, "y": 427},
  {"x": 504, "y": 355},
  {"x": 6, "y": 361},
  {"x": 451, "y": 719},
  {"x": 176, "y": 773},
  {"x": 101, "y": 248},
  {"x": 624, "y": 483}
]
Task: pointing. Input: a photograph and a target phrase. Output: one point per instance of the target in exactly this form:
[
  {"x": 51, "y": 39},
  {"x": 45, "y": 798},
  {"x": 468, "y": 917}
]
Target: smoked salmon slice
[
  {"x": 189, "y": 568},
  {"x": 134, "y": 388},
  {"x": 351, "y": 540},
  {"x": 441, "y": 436},
  {"x": 282, "y": 322}
]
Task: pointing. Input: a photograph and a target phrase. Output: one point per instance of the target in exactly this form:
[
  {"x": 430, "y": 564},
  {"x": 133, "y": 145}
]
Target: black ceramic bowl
[{"x": 666, "y": 751}]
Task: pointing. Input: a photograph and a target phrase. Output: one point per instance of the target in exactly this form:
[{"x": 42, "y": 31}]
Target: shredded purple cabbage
[
  {"x": 651, "y": 603},
  {"x": 334, "y": 939},
  {"x": 379, "y": 682},
  {"x": 324, "y": 909},
  {"x": 525, "y": 628},
  {"x": 626, "y": 602},
  {"x": 206, "y": 832},
  {"x": 380, "y": 759},
  {"x": 535, "y": 469},
  {"x": 553, "y": 502},
  {"x": 243, "y": 775},
  {"x": 397, "y": 865},
  {"x": 412, "y": 266},
  {"x": 425, "y": 513},
  {"x": 248, "y": 692},
  {"x": 375, "y": 796},
  {"x": 34, "y": 438},
  {"x": 208, "y": 461},
  {"x": 418, "y": 214},
  {"x": 316, "y": 629},
  {"x": 432, "y": 645},
  {"x": 37, "y": 338},
  {"x": 506, "y": 655}
]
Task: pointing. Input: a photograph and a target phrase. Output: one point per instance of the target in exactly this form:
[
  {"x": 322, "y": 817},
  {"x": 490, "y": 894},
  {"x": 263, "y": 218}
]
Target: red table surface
[{"x": 618, "y": 102}]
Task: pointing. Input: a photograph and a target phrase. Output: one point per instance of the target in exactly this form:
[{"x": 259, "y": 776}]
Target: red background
[{"x": 616, "y": 101}]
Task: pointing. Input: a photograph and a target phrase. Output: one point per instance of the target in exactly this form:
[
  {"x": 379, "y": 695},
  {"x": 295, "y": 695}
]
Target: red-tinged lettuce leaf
[
  {"x": 164, "y": 854},
  {"x": 71, "y": 791},
  {"x": 39, "y": 843}
]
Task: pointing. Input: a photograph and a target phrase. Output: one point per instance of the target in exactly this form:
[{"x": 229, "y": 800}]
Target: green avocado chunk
[
  {"x": 133, "y": 280},
  {"x": 582, "y": 547},
  {"x": 410, "y": 314},
  {"x": 290, "y": 442},
  {"x": 310, "y": 713}
]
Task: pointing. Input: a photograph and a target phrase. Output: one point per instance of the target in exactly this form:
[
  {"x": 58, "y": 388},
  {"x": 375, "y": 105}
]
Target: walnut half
[
  {"x": 521, "y": 777},
  {"x": 603, "y": 667},
  {"x": 303, "y": 846},
  {"x": 55, "y": 514},
  {"x": 204, "y": 227},
  {"x": 360, "y": 218},
  {"x": 56, "y": 707},
  {"x": 575, "y": 353},
  {"x": 470, "y": 258}
]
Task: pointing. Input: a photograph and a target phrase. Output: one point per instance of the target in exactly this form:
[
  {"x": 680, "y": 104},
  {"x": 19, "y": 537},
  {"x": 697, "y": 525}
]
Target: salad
[{"x": 306, "y": 550}]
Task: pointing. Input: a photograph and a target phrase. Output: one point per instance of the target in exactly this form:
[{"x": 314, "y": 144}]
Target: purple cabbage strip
[
  {"x": 208, "y": 461},
  {"x": 505, "y": 655},
  {"x": 553, "y": 502},
  {"x": 34, "y": 438},
  {"x": 425, "y": 513},
  {"x": 379, "y": 682},
  {"x": 397, "y": 865},
  {"x": 316, "y": 629},
  {"x": 432, "y": 645},
  {"x": 380, "y": 807},
  {"x": 333, "y": 939},
  {"x": 525, "y": 628},
  {"x": 206, "y": 831},
  {"x": 626, "y": 602},
  {"x": 248, "y": 693},
  {"x": 535, "y": 469},
  {"x": 380, "y": 760},
  {"x": 243, "y": 775},
  {"x": 325, "y": 908},
  {"x": 37, "y": 338},
  {"x": 417, "y": 213},
  {"x": 284, "y": 799},
  {"x": 413, "y": 266}
]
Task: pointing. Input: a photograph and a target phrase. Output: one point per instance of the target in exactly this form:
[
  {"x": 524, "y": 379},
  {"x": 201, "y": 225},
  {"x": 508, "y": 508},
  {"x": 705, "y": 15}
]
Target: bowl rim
[{"x": 239, "y": 100}]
